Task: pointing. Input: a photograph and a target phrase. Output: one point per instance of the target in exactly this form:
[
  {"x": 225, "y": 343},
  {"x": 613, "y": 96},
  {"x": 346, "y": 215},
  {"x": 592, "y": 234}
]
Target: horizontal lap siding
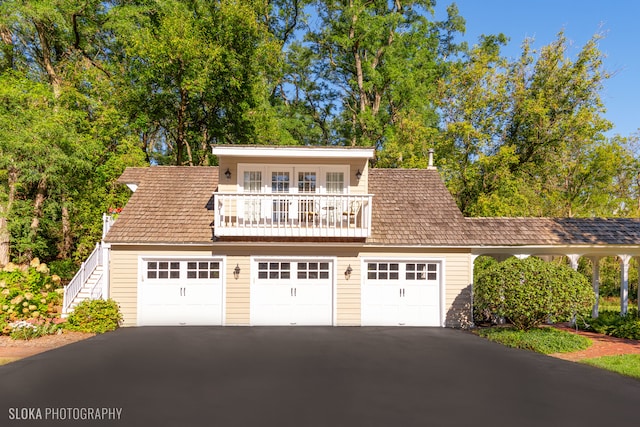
[
  {"x": 123, "y": 276},
  {"x": 237, "y": 291},
  {"x": 457, "y": 276},
  {"x": 458, "y": 290},
  {"x": 347, "y": 298},
  {"x": 348, "y": 293}
]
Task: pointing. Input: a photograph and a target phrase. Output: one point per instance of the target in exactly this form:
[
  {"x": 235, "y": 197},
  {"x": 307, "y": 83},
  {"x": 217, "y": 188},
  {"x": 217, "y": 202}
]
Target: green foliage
[
  {"x": 63, "y": 268},
  {"x": 89, "y": 88},
  {"x": 28, "y": 292},
  {"x": 625, "y": 364},
  {"x": 530, "y": 292},
  {"x": 24, "y": 330},
  {"x": 542, "y": 340},
  {"x": 616, "y": 325},
  {"x": 95, "y": 316}
]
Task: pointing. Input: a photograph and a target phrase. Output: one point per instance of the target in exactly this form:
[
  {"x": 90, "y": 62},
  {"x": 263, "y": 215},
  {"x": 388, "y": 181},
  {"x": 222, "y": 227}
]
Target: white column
[
  {"x": 624, "y": 283},
  {"x": 473, "y": 283},
  {"x": 638, "y": 266},
  {"x": 106, "y": 252},
  {"x": 595, "y": 281},
  {"x": 573, "y": 261}
]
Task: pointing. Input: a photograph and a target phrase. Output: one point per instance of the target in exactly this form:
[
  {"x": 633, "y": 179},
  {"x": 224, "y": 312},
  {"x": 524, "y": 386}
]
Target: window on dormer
[
  {"x": 306, "y": 182},
  {"x": 335, "y": 182},
  {"x": 252, "y": 181},
  {"x": 280, "y": 182}
]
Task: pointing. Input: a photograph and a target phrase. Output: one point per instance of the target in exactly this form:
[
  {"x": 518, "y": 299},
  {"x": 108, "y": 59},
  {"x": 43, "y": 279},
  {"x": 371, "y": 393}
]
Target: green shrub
[
  {"x": 64, "y": 268},
  {"x": 23, "y": 330},
  {"x": 541, "y": 340},
  {"x": 28, "y": 292},
  {"x": 96, "y": 316},
  {"x": 530, "y": 292},
  {"x": 612, "y": 323}
]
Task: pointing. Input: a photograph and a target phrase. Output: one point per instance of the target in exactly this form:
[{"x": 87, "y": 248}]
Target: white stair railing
[{"x": 75, "y": 285}]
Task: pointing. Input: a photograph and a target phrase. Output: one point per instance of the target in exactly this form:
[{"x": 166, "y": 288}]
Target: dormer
[{"x": 293, "y": 191}]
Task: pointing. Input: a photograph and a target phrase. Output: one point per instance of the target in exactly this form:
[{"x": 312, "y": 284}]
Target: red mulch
[{"x": 17, "y": 349}]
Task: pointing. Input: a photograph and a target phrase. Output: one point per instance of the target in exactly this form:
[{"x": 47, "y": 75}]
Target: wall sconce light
[
  {"x": 347, "y": 272},
  {"x": 227, "y": 173},
  {"x": 358, "y": 174},
  {"x": 236, "y": 272}
]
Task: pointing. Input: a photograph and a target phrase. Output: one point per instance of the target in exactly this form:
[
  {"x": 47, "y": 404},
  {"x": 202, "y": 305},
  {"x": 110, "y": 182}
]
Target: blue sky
[{"x": 618, "y": 20}]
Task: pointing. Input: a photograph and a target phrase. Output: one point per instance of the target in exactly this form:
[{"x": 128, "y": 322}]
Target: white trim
[
  {"x": 106, "y": 270},
  {"x": 222, "y": 259},
  {"x": 290, "y": 152},
  {"x": 266, "y": 170},
  {"x": 255, "y": 259},
  {"x": 410, "y": 259}
]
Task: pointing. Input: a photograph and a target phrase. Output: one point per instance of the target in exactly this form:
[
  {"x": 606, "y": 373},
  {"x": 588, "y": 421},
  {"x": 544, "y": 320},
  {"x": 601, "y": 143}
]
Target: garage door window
[
  {"x": 203, "y": 270},
  {"x": 383, "y": 271},
  {"x": 163, "y": 270},
  {"x": 274, "y": 270},
  {"x": 421, "y": 271},
  {"x": 313, "y": 270}
]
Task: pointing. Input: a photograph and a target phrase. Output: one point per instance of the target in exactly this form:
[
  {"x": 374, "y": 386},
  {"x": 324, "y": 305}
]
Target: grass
[
  {"x": 626, "y": 364},
  {"x": 541, "y": 340},
  {"x": 613, "y": 303}
]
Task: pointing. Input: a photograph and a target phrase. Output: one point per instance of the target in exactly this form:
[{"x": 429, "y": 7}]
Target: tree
[
  {"x": 367, "y": 68},
  {"x": 56, "y": 125},
  {"x": 526, "y": 137},
  {"x": 193, "y": 74}
]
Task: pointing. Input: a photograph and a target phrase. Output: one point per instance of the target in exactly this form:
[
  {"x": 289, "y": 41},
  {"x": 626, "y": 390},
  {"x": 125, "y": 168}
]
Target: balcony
[{"x": 292, "y": 215}]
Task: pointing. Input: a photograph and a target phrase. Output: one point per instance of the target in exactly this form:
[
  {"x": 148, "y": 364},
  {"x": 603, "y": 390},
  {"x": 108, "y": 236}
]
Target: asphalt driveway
[{"x": 307, "y": 376}]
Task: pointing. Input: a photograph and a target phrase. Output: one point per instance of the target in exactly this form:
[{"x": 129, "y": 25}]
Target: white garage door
[
  {"x": 401, "y": 293},
  {"x": 292, "y": 292},
  {"x": 180, "y": 292}
]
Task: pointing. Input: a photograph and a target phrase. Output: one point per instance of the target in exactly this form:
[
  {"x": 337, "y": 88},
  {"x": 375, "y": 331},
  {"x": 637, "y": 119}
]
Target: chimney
[{"x": 431, "y": 166}]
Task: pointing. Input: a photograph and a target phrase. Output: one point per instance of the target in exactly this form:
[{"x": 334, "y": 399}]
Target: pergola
[{"x": 593, "y": 238}]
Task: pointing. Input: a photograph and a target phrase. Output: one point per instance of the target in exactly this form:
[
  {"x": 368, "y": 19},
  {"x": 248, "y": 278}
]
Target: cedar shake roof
[
  {"x": 411, "y": 207},
  {"x": 173, "y": 204},
  {"x": 554, "y": 231}
]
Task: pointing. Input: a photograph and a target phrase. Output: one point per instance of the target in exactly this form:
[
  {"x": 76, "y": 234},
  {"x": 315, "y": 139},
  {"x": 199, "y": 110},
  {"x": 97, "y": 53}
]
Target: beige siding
[
  {"x": 237, "y": 291},
  {"x": 124, "y": 274},
  {"x": 457, "y": 279},
  {"x": 347, "y": 298},
  {"x": 348, "y": 292},
  {"x": 230, "y": 185}
]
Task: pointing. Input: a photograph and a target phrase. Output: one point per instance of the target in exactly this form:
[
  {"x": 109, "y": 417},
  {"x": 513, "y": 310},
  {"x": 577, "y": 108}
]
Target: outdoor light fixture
[
  {"x": 347, "y": 272},
  {"x": 236, "y": 272},
  {"x": 227, "y": 173},
  {"x": 358, "y": 174}
]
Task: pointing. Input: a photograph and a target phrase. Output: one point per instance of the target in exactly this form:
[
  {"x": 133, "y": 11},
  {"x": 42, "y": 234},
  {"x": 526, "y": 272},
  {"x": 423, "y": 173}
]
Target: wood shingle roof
[
  {"x": 411, "y": 207},
  {"x": 173, "y": 204}
]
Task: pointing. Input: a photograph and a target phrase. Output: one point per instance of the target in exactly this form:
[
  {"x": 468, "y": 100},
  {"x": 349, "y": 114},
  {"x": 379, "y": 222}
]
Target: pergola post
[
  {"x": 473, "y": 284},
  {"x": 624, "y": 283},
  {"x": 595, "y": 281},
  {"x": 638, "y": 296},
  {"x": 573, "y": 261}
]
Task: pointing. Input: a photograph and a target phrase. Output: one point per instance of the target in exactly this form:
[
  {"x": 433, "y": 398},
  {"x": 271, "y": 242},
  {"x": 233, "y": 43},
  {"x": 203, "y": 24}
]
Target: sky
[{"x": 617, "y": 20}]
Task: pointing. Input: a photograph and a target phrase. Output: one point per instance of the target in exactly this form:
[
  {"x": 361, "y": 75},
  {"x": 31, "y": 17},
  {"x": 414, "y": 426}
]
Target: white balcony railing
[{"x": 292, "y": 215}]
